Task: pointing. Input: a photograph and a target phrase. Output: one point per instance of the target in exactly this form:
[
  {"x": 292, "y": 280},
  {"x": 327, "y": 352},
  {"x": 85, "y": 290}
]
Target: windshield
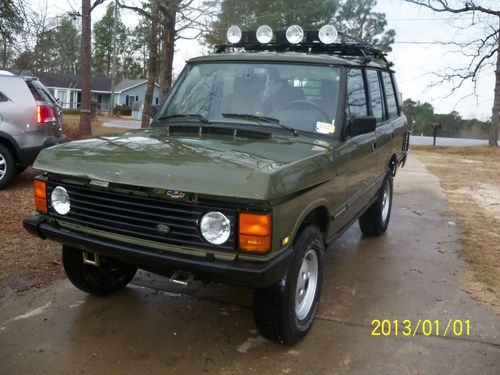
[{"x": 300, "y": 97}]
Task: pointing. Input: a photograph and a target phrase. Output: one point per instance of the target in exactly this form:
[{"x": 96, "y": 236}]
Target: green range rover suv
[{"x": 263, "y": 153}]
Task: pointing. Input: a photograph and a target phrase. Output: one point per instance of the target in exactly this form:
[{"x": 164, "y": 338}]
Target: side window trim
[
  {"x": 384, "y": 96},
  {"x": 396, "y": 93},
  {"x": 382, "y": 93}
]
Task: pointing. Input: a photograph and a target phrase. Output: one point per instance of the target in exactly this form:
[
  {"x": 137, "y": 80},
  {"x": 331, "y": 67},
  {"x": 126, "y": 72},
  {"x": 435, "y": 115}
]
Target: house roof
[
  {"x": 126, "y": 84},
  {"x": 97, "y": 84}
]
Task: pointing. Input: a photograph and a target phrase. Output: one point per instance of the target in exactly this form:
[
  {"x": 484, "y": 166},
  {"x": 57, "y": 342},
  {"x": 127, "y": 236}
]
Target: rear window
[{"x": 40, "y": 92}]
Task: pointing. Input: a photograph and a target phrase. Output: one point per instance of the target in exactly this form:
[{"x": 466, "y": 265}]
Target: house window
[
  {"x": 126, "y": 100},
  {"x": 156, "y": 100}
]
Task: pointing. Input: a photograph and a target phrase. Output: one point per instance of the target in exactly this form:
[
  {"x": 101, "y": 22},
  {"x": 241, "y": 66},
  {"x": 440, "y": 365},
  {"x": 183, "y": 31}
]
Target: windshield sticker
[{"x": 322, "y": 127}]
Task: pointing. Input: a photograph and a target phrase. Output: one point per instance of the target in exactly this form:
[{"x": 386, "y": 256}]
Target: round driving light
[
  {"x": 328, "y": 34},
  {"x": 60, "y": 200},
  {"x": 294, "y": 34},
  {"x": 264, "y": 34},
  {"x": 215, "y": 227},
  {"x": 234, "y": 34}
]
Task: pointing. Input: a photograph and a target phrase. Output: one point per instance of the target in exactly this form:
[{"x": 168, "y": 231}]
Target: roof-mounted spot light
[
  {"x": 328, "y": 34},
  {"x": 294, "y": 34},
  {"x": 264, "y": 34},
  {"x": 234, "y": 34}
]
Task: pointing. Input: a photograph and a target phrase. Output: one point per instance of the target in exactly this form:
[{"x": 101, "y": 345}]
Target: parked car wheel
[
  {"x": 285, "y": 311},
  {"x": 7, "y": 166},
  {"x": 110, "y": 276},
  {"x": 375, "y": 220}
]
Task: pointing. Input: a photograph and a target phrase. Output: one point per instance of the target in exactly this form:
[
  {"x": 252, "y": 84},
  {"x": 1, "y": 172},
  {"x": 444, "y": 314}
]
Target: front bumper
[{"x": 236, "y": 272}]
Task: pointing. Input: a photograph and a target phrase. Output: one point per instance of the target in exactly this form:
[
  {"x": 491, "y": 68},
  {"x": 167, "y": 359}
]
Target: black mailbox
[{"x": 436, "y": 125}]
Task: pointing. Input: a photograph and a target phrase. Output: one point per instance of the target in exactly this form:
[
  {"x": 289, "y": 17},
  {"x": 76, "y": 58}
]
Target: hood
[{"x": 217, "y": 165}]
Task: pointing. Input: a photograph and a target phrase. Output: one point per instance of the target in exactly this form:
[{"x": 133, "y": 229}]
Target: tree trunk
[
  {"x": 153, "y": 59},
  {"x": 111, "y": 109},
  {"x": 5, "y": 53},
  {"x": 495, "y": 117},
  {"x": 85, "y": 109},
  {"x": 167, "y": 56}
]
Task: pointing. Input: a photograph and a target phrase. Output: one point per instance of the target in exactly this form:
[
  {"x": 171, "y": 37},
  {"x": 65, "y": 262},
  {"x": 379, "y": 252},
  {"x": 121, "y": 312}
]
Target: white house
[{"x": 67, "y": 88}]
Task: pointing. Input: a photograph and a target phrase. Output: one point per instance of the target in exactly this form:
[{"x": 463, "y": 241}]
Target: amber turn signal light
[
  {"x": 41, "y": 196},
  {"x": 255, "y": 232}
]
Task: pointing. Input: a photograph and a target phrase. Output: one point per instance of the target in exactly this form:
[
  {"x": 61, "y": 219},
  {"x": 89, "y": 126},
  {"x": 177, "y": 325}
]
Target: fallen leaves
[{"x": 25, "y": 261}]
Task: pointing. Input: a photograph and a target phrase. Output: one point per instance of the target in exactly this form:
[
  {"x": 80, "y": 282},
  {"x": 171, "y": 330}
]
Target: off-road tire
[
  {"x": 111, "y": 276},
  {"x": 7, "y": 166},
  {"x": 375, "y": 220},
  {"x": 274, "y": 307}
]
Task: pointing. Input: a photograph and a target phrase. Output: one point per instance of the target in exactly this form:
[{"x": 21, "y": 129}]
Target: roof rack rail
[{"x": 347, "y": 46}]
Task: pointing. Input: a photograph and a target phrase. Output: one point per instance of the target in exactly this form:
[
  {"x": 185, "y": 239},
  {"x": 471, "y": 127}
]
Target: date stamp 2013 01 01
[{"x": 426, "y": 327}]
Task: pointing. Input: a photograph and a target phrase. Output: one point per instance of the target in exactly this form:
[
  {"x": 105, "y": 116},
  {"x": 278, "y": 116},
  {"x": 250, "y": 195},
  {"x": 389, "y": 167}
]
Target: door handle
[{"x": 374, "y": 146}]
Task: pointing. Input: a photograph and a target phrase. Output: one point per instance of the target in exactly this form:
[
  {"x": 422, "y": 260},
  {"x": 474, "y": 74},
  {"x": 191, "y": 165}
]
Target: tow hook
[
  {"x": 92, "y": 259},
  {"x": 182, "y": 278}
]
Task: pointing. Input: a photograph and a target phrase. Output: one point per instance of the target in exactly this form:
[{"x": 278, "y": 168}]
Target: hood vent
[{"x": 218, "y": 130}]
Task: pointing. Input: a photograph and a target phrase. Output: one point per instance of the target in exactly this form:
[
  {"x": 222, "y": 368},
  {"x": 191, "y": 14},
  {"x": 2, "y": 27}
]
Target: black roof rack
[{"x": 348, "y": 46}]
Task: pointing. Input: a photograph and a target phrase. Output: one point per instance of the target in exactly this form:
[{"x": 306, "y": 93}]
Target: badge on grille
[
  {"x": 163, "y": 228},
  {"x": 175, "y": 194},
  {"x": 99, "y": 183}
]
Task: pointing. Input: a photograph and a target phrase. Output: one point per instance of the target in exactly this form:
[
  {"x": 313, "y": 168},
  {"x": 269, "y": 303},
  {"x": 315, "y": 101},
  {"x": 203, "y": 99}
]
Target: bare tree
[
  {"x": 153, "y": 57},
  {"x": 86, "y": 104},
  {"x": 485, "y": 51},
  {"x": 174, "y": 17}
]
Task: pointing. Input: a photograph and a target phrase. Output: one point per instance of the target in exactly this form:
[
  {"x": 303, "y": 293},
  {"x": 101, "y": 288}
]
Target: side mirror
[{"x": 362, "y": 125}]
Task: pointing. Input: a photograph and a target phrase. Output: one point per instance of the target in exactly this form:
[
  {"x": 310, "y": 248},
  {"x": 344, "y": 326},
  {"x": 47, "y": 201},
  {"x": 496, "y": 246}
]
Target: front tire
[
  {"x": 111, "y": 276},
  {"x": 375, "y": 220},
  {"x": 285, "y": 312},
  {"x": 7, "y": 166}
]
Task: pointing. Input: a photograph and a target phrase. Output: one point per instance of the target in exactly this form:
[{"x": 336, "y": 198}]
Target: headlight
[
  {"x": 60, "y": 200},
  {"x": 215, "y": 227}
]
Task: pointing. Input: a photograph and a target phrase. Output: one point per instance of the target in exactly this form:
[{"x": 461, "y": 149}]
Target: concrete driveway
[{"x": 154, "y": 327}]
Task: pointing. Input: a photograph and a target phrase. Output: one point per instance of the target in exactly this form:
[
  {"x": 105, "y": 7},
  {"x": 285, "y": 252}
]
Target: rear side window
[
  {"x": 36, "y": 94},
  {"x": 40, "y": 92},
  {"x": 390, "y": 96},
  {"x": 3, "y": 98},
  {"x": 375, "y": 95},
  {"x": 356, "y": 95}
]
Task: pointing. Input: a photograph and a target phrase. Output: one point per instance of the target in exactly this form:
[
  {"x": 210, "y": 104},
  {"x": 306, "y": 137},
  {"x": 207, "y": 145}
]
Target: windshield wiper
[
  {"x": 260, "y": 118},
  {"x": 194, "y": 116}
]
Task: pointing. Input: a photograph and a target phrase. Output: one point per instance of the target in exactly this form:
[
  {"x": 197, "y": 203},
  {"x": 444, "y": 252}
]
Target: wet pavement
[{"x": 155, "y": 327}]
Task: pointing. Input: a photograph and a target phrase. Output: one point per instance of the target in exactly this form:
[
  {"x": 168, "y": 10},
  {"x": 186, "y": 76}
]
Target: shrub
[{"x": 123, "y": 110}]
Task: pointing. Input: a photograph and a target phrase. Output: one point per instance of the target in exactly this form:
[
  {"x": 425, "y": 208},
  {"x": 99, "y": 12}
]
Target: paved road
[
  {"x": 153, "y": 327},
  {"x": 127, "y": 123},
  {"x": 441, "y": 141}
]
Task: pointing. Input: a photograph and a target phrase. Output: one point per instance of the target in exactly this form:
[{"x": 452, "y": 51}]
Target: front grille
[{"x": 139, "y": 217}]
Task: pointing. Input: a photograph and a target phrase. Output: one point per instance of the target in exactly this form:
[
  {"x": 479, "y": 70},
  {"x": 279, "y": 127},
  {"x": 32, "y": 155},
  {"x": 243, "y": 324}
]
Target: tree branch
[{"x": 441, "y": 6}]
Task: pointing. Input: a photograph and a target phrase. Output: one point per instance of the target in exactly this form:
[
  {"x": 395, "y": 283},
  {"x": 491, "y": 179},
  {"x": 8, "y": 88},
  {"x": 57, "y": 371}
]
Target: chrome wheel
[
  {"x": 386, "y": 201},
  {"x": 3, "y": 166},
  {"x": 306, "y": 284}
]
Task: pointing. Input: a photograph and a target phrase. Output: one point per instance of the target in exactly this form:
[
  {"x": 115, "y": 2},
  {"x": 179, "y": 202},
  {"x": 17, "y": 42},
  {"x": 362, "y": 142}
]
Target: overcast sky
[{"x": 415, "y": 53}]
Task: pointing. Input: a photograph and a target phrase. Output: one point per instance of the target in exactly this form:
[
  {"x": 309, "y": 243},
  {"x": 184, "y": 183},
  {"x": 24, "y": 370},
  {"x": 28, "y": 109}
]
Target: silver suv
[{"x": 30, "y": 120}]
